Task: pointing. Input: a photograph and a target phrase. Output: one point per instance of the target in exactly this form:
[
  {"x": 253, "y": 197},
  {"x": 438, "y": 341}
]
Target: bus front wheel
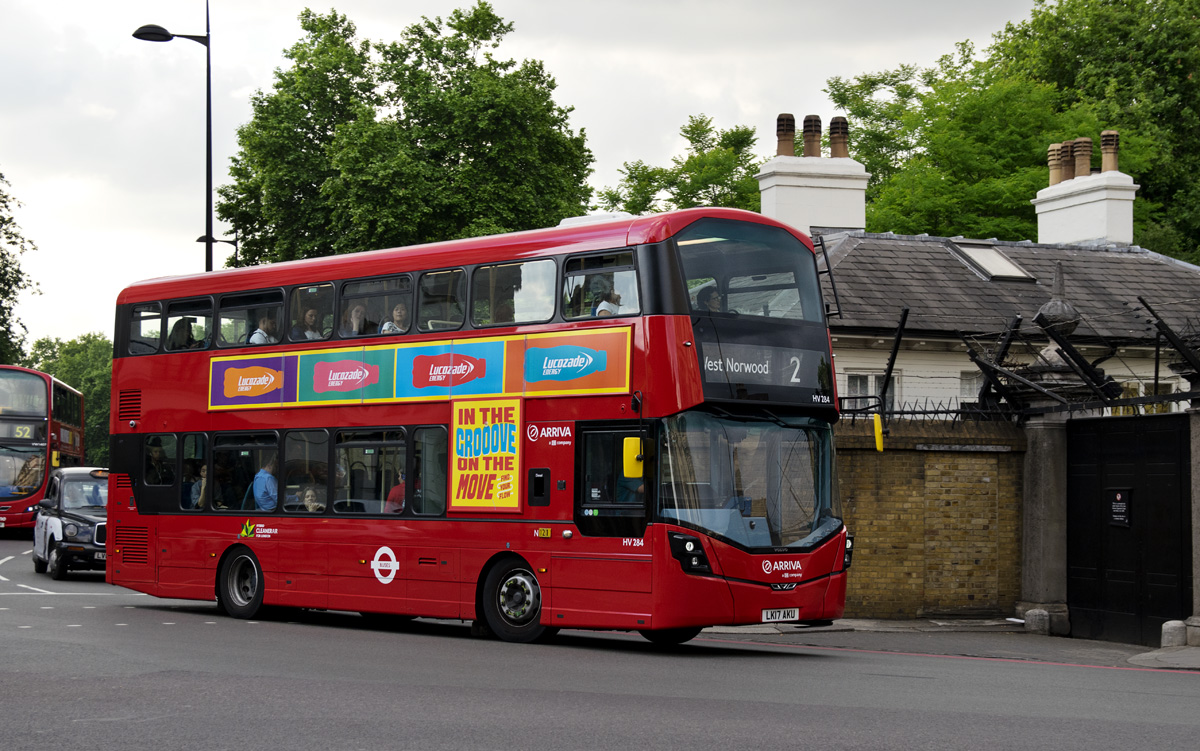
[
  {"x": 512, "y": 603},
  {"x": 240, "y": 585}
]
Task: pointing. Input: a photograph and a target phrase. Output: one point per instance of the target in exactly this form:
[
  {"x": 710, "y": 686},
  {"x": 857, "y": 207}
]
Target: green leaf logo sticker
[{"x": 247, "y": 529}]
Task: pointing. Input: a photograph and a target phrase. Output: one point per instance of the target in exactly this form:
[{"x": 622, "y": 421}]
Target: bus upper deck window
[
  {"x": 600, "y": 285},
  {"x": 513, "y": 293},
  {"x": 189, "y": 324},
  {"x": 749, "y": 269},
  {"x": 250, "y": 318},
  {"x": 377, "y": 306},
  {"x": 145, "y": 329},
  {"x": 441, "y": 300},
  {"x": 311, "y": 312}
]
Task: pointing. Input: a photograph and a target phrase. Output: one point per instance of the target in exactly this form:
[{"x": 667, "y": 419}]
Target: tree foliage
[
  {"x": 13, "y": 279},
  {"x": 85, "y": 363},
  {"x": 363, "y": 145},
  {"x": 960, "y": 148},
  {"x": 717, "y": 170}
]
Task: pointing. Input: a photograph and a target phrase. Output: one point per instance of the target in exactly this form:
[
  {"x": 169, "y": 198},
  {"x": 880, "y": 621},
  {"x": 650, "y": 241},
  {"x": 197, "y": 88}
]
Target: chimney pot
[
  {"x": 1066, "y": 159},
  {"x": 1083, "y": 156},
  {"x": 839, "y": 138},
  {"x": 812, "y": 135},
  {"x": 1110, "y": 142},
  {"x": 1052, "y": 159},
  {"x": 785, "y": 131}
]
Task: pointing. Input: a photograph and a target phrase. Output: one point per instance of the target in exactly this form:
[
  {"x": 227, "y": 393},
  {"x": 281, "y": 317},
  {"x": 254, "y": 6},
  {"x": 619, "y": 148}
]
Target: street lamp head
[{"x": 153, "y": 33}]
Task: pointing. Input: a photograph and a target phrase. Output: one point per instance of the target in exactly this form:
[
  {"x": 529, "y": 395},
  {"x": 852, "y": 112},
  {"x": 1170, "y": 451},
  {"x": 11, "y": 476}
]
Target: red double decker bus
[
  {"x": 624, "y": 424},
  {"x": 41, "y": 428}
]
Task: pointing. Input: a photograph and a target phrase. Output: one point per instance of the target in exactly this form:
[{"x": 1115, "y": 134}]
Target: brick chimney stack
[
  {"x": 1079, "y": 207},
  {"x": 785, "y": 132},
  {"x": 809, "y": 192}
]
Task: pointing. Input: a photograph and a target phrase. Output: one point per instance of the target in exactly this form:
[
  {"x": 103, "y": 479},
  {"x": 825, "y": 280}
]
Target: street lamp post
[{"x": 152, "y": 33}]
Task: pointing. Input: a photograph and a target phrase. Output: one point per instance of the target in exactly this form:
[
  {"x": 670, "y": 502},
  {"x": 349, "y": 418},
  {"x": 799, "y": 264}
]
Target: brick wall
[{"x": 936, "y": 517}]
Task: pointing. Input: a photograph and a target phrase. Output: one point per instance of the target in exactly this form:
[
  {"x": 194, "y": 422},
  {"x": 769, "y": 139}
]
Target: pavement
[{"x": 1000, "y": 638}]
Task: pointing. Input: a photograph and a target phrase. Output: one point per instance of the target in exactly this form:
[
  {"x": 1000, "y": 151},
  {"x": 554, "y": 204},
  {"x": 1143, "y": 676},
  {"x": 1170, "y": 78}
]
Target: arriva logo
[
  {"x": 549, "y": 431},
  {"x": 563, "y": 363},
  {"x": 772, "y": 567}
]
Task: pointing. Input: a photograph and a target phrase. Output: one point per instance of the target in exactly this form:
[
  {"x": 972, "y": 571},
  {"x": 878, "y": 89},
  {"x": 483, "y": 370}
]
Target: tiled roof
[{"x": 876, "y": 275}]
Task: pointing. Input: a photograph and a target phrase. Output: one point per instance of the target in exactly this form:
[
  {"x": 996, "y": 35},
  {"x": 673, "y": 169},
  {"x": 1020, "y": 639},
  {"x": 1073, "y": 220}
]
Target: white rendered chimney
[
  {"x": 810, "y": 191},
  {"x": 1083, "y": 207}
]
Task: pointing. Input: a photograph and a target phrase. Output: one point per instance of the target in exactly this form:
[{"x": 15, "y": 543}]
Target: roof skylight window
[{"x": 989, "y": 262}]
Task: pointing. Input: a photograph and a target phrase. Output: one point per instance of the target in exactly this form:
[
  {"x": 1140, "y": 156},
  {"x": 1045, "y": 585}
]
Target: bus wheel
[
  {"x": 240, "y": 585},
  {"x": 671, "y": 636},
  {"x": 56, "y": 565},
  {"x": 512, "y": 603}
]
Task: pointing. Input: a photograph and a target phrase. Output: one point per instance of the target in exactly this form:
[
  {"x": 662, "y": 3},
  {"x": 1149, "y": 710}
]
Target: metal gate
[{"x": 1129, "y": 551}]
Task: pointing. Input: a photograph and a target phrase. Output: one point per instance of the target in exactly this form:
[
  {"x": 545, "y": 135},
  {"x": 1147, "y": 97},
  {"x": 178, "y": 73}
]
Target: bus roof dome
[{"x": 575, "y": 221}]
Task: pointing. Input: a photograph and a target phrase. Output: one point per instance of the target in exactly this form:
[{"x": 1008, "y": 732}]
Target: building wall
[{"x": 936, "y": 518}]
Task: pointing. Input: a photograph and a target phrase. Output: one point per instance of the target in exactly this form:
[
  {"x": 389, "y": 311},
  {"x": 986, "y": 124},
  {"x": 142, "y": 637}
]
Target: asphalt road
[{"x": 90, "y": 666}]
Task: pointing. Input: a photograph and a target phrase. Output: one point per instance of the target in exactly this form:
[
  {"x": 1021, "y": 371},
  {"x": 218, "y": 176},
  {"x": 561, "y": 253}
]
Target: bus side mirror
[{"x": 632, "y": 457}]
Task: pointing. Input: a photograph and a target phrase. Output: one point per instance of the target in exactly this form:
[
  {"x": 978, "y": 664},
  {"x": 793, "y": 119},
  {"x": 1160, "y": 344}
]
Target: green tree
[
  {"x": 1134, "y": 62},
  {"x": 717, "y": 170},
  {"x": 85, "y": 363},
  {"x": 960, "y": 148},
  {"x": 425, "y": 139},
  {"x": 13, "y": 279},
  {"x": 975, "y": 152}
]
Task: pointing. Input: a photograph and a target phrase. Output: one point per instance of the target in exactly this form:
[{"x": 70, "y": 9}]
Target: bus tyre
[
  {"x": 240, "y": 584},
  {"x": 56, "y": 565},
  {"x": 512, "y": 603},
  {"x": 671, "y": 636}
]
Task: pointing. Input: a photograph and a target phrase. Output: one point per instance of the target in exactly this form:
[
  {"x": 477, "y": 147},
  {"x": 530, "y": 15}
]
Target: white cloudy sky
[{"x": 102, "y": 135}]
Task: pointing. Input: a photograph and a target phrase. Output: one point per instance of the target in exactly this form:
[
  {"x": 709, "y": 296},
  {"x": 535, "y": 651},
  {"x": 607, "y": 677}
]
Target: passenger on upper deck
[
  {"x": 181, "y": 336},
  {"x": 354, "y": 321},
  {"x": 308, "y": 327},
  {"x": 610, "y": 304},
  {"x": 708, "y": 300},
  {"x": 399, "y": 322},
  {"x": 265, "y": 333}
]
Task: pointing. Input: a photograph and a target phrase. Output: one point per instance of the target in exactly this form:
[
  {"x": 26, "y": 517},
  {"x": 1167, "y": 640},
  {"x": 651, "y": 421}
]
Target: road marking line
[
  {"x": 35, "y": 589},
  {"x": 26, "y": 552},
  {"x": 5, "y": 560},
  {"x": 2, "y": 579}
]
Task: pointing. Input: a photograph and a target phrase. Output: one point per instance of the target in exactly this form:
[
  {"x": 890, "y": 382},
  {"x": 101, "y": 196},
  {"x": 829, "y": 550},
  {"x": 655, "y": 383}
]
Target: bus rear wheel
[
  {"x": 671, "y": 636},
  {"x": 240, "y": 585},
  {"x": 512, "y": 603}
]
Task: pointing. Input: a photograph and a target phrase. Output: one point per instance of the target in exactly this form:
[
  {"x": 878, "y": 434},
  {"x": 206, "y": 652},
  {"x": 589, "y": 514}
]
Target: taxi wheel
[
  {"x": 512, "y": 603},
  {"x": 240, "y": 584},
  {"x": 39, "y": 564},
  {"x": 55, "y": 563},
  {"x": 671, "y": 637}
]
